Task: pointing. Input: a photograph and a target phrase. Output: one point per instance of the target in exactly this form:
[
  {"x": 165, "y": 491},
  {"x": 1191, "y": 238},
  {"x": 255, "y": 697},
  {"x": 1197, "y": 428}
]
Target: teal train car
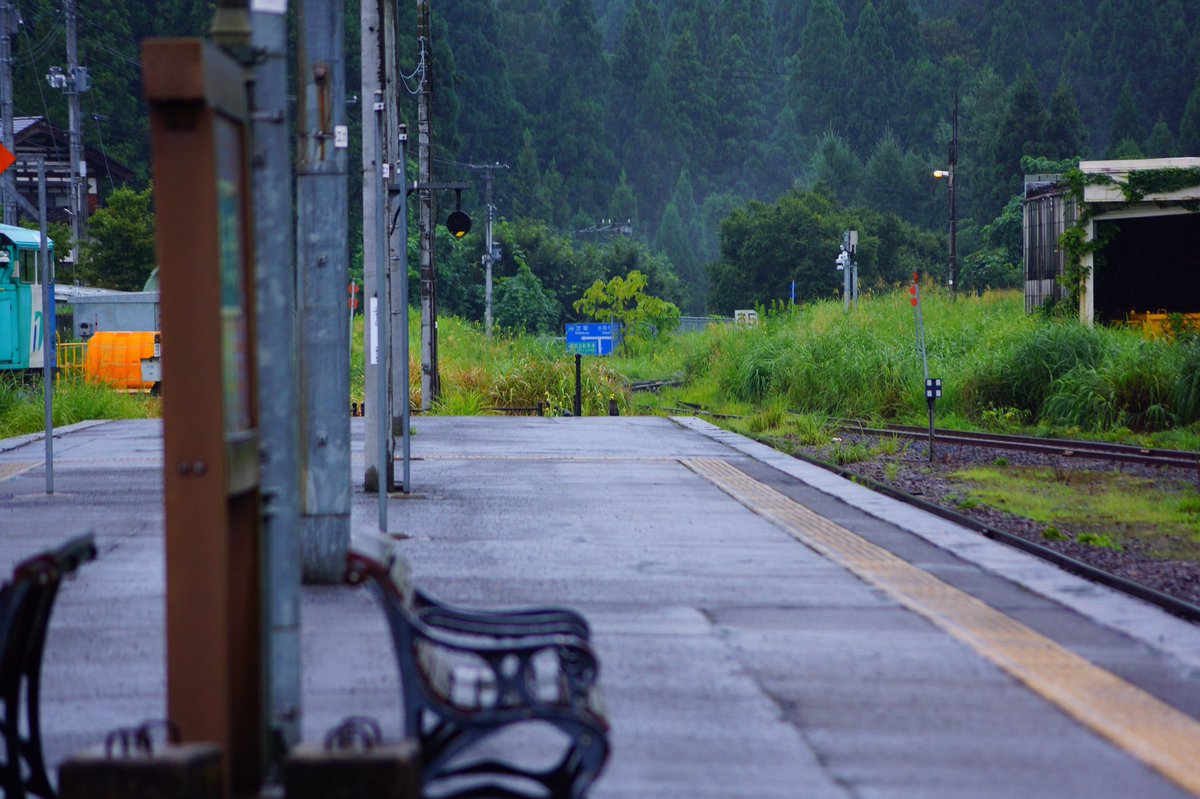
[{"x": 22, "y": 321}]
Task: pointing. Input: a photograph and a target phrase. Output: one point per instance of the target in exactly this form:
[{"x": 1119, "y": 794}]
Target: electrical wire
[
  {"x": 103, "y": 153},
  {"x": 54, "y": 147}
]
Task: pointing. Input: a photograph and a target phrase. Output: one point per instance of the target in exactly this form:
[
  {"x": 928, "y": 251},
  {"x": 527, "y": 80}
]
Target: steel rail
[
  {"x": 1062, "y": 447},
  {"x": 1173, "y": 605}
]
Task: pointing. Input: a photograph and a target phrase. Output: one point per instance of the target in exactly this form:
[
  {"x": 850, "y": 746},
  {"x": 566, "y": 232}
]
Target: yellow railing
[
  {"x": 1161, "y": 324},
  {"x": 71, "y": 358}
]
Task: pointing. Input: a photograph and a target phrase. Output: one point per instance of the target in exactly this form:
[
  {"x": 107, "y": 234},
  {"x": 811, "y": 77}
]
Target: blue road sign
[{"x": 592, "y": 338}]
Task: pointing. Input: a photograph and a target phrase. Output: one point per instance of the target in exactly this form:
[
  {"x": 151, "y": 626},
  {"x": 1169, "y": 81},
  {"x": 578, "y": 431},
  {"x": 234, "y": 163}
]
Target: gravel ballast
[{"x": 910, "y": 471}]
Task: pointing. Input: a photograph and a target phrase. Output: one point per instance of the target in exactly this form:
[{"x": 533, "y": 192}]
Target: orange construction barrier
[{"x": 115, "y": 358}]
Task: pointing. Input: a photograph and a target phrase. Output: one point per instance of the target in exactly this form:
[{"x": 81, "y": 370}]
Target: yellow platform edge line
[{"x": 1149, "y": 729}]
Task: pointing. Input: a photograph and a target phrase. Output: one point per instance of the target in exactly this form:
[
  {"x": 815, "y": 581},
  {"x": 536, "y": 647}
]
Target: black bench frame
[
  {"x": 526, "y": 665},
  {"x": 25, "y": 605}
]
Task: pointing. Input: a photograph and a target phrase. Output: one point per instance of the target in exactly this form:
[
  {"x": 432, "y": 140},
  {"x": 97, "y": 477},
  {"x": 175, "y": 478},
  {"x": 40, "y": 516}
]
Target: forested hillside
[{"x": 673, "y": 113}]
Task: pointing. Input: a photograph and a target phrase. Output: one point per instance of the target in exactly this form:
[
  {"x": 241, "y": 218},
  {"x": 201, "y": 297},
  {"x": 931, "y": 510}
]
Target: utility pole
[
  {"x": 8, "y": 183},
  {"x": 377, "y": 19},
  {"x": 73, "y": 82},
  {"x": 430, "y": 381},
  {"x": 489, "y": 255},
  {"x": 278, "y": 384},
  {"x": 953, "y": 214},
  {"x": 76, "y": 83},
  {"x": 322, "y": 257}
]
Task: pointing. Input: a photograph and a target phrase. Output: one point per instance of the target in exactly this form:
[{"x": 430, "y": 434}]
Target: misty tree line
[{"x": 735, "y": 135}]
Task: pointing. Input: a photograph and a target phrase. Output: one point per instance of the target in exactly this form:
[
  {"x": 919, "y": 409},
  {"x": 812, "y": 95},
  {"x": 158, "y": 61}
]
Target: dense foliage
[{"x": 657, "y": 118}]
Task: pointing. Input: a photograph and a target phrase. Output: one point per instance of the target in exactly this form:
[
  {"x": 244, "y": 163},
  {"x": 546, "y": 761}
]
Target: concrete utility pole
[
  {"x": 322, "y": 258},
  {"x": 430, "y": 382},
  {"x": 8, "y": 27},
  {"x": 76, "y": 83},
  {"x": 278, "y": 385},
  {"x": 489, "y": 255},
  {"x": 378, "y": 20}
]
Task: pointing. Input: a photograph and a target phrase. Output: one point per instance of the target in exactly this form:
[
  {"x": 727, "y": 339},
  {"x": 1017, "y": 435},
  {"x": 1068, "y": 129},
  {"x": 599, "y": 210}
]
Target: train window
[{"x": 29, "y": 272}]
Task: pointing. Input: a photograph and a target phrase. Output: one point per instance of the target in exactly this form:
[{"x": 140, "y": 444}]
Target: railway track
[{"x": 1099, "y": 450}]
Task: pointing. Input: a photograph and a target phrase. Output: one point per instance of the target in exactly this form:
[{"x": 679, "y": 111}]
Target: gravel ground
[{"x": 914, "y": 475}]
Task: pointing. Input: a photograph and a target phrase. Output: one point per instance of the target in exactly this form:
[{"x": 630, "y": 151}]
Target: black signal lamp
[{"x": 458, "y": 223}]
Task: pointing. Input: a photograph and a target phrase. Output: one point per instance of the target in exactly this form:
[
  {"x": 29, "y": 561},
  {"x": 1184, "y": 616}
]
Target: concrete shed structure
[{"x": 1150, "y": 260}]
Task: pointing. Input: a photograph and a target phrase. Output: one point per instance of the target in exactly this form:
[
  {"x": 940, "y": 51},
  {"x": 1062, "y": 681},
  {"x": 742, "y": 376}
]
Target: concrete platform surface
[{"x": 766, "y": 629}]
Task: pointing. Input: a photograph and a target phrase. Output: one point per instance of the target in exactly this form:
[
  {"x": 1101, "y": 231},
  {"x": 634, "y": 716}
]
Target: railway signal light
[{"x": 458, "y": 223}]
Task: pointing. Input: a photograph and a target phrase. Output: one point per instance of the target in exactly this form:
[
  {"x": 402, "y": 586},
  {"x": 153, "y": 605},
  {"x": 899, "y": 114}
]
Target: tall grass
[
  {"x": 994, "y": 359},
  {"x": 22, "y": 407},
  {"x": 479, "y": 374}
]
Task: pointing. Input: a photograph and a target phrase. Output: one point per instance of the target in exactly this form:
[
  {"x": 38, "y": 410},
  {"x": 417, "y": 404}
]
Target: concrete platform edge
[
  {"x": 9, "y": 444},
  {"x": 1137, "y": 619}
]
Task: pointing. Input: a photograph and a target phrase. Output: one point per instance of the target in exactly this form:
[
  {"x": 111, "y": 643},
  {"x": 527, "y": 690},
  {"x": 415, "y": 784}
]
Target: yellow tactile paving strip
[{"x": 1154, "y": 732}]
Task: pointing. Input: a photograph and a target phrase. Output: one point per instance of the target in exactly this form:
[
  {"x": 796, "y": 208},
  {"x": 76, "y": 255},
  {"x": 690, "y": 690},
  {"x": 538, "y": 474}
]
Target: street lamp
[{"x": 948, "y": 174}]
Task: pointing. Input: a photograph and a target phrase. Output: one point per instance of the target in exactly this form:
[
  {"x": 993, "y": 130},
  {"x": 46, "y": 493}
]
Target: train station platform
[{"x": 766, "y": 629}]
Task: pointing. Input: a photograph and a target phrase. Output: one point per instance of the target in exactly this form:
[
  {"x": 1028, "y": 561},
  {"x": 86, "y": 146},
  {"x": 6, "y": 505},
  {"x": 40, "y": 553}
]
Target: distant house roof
[{"x": 34, "y": 136}]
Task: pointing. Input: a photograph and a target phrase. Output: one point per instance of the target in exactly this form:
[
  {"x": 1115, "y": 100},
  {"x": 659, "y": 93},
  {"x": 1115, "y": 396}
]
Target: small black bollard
[
  {"x": 614, "y": 408},
  {"x": 578, "y": 384}
]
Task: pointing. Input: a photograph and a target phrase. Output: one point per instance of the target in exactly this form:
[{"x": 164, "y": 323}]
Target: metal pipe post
[
  {"x": 278, "y": 386},
  {"x": 578, "y": 384},
  {"x": 953, "y": 211},
  {"x": 322, "y": 256},
  {"x": 400, "y": 253},
  {"x": 8, "y": 182},
  {"x": 48, "y": 326},
  {"x": 382, "y": 335}
]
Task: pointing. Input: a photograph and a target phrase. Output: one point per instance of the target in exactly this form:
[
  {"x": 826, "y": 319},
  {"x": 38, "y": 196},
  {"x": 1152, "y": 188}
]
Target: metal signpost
[
  {"x": 200, "y": 131},
  {"x": 848, "y": 266},
  {"x": 933, "y": 385},
  {"x": 593, "y": 338}
]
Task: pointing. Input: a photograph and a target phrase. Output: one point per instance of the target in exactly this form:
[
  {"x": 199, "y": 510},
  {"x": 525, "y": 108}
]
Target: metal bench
[
  {"x": 25, "y": 605},
  {"x": 466, "y": 675}
]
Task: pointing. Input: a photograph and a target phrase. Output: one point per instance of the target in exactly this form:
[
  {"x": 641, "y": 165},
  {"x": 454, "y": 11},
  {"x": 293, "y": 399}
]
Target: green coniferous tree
[
  {"x": 872, "y": 70},
  {"x": 623, "y": 207},
  {"x": 741, "y": 111},
  {"x": 692, "y": 101},
  {"x": 527, "y": 181},
  {"x": 1161, "y": 143},
  {"x": 494, "y": 125},
  {"x": 817, "y": 74},
  {"x": 1020, "y": 132},
  {"x": 1126, "y": 124},
  {"x": 680, "y": 248},
  {"x": 902, "y": 28},
  {"x": 525, "y": 34},
  {"x": 1189, "y": 125},
  {"x": 836, "y": 170},
  {"x": 1064, "y": 130}
]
